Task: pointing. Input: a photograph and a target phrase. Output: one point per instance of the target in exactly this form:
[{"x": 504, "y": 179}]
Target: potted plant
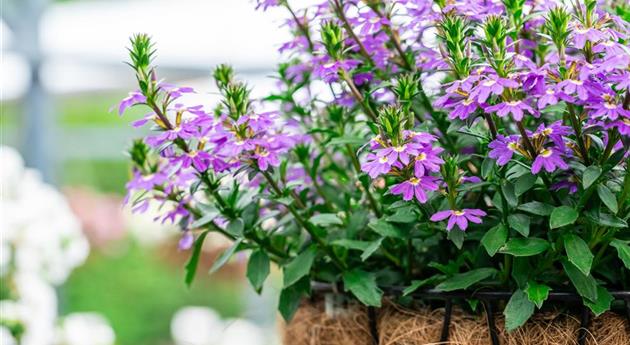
[{"x": 470, "y": 152}]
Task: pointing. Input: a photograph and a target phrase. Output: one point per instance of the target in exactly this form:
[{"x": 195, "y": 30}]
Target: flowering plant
[{"x": 430, "y": 144}]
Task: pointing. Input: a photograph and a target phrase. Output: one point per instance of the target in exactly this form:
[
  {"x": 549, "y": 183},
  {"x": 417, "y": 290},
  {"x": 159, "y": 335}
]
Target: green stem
[
  {"x": 366, "y": 186},
  {"x": 305, "y": 225},
  {"x": 578, "y": 133}
]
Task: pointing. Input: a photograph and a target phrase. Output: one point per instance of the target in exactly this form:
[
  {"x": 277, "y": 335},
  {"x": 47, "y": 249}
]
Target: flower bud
[
  {"x": 236, "y": 99},
  {"x": 332, "y": 38},
  {"x": 223, "y": 75}
]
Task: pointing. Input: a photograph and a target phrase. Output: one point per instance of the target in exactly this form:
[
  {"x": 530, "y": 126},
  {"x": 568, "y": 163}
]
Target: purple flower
[
  {"x": 376, "y": 165},
  {"x": 415, "y": 187},
  {"x": 146, "y": 182},
  {"x": 329, "y": 70},
  {"x": 461, "y": 218},
  {"x": 463, "y": 109},
  {"x": 571, "y": 86},
  {"x": 402, "y": 153},
  {"x": 199, "y": 159},
  {"x": 266, "y": 158},
  {"x": 549, "y": 98},
  {"x": 370, "y": 22},
  {"x": 427, "y": 160},
  {"x": 570, "y": 183},
  {"x": 502, "y": 148},
  {"x": 606, "y": 108},
  {"x": 186, "y": 241},
  {"x": 550, "y": 159},
  {"x": 265, "y": 4},
  {"x": 516, "y": 108},
  {"x": 582, "y": 34},
  {"x": 555, "y": 132},
  {"x": 135, "y": 97},
  {"x": 489, "y": 87}
]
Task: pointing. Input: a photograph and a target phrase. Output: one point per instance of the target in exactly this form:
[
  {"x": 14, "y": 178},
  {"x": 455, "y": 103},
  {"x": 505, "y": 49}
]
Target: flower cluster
[{"x": 395, "y": 121}]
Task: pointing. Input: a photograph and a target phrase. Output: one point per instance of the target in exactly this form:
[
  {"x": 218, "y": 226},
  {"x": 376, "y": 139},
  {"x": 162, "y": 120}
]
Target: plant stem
[
  {"x": 578, "y": 133},
  {"x": 346, "y": 24},
  {"x": 358, "y": 96},
  {"x": 366, "y": 186},
  {"x": 305, "y": 225},
  {"x": 301, "y": 26}
]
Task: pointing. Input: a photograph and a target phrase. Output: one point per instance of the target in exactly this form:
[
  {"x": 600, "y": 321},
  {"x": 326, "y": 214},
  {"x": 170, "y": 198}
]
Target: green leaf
[
  {"x": 486, "y": 167},
  {"x": 299, "y": 267},
  {"x": 590, "y": 175},
  {"x": 606, "y": 219},
  {"x": 537, "y": 208},
  {"x": 623, "y": 251},
  {"x": 585, "y": 285},
  {"x": 457, "y": 237},
  {"x": 352, "y": 244},
  {"x": 416, "y": 284},
  {"x": 208, "y": 216},
  {"x": 525, "y": 246},
  {"x": 464, "y": 280},
  {"x": 363, "y": 286},
  {"x": 578, "y": 253},
  {"x": 518, "y": 310},
  {"x": 346, "y": 140},
  {"x": 290, "y": 298},
  {"x": 191, "y": 265},
  {"x": 520, "y": 223},
  {"x": 562, "y": 216},
  {"x": 537, "y": 293},
  {"x": 608, "y": 198},
  {"x": 524, "y": 183},
  {"x": 235, "y": 227},
  {"x": 602, "y": 303},
  {"x": 225, "y": 256},
  {"x": 258, "y": 269},
  {"x": 405, "y": 215},
  {"x": 509, "y": 194},
  {"x": 386, "y": 229},
  {"x": 494, "y": 239},
  {"x": 325, "y": 219},
  {"x": 371, "y": 249}
]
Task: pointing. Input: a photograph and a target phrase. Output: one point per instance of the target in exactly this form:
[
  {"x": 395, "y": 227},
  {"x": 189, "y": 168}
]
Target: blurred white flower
[
  {"x": 196, "y": 326},
  {"x": 241, "y": 331},
  {"x": 6, "y": 338},
  {"x": 35, "y": 309},
  {"x": 145, "y": 229},
  {"x": 41, "y": 242},
  {"x": 37, "y": 224},
  {"x": 203, "y": 326},
  {"x": 85, "y": 329}
]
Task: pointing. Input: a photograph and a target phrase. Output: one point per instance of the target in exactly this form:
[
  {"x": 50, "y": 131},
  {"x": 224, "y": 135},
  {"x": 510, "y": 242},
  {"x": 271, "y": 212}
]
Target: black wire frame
[{"x": 488, "y": 299}]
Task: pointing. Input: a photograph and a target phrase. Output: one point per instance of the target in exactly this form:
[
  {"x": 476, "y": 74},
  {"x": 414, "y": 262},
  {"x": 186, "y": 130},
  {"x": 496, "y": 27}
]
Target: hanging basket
[{"x": 433, "y": 318}]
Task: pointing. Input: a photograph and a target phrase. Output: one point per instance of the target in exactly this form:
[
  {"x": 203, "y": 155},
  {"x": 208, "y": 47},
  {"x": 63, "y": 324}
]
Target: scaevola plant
[{"x": 432, "y": 145}]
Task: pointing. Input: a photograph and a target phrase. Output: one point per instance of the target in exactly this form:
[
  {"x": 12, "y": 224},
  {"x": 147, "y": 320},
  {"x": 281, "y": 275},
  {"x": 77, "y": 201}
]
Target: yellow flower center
[
  {"x": 576, "y": 82},
  {"x": 383, "y": 159},
  {"x": 550, "y": 91},
  {"x": 489, "y": 83},
  {"x": 458, "y": 213},
  {"x": 513, "y": 103},
  {"x": 546, "y": 153},
  {"x": 512, "y": 146},
  {"x": 400, "y": 148},
  {"x": 422, "y": 156},
  {"x": 609, "y": 105}
]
